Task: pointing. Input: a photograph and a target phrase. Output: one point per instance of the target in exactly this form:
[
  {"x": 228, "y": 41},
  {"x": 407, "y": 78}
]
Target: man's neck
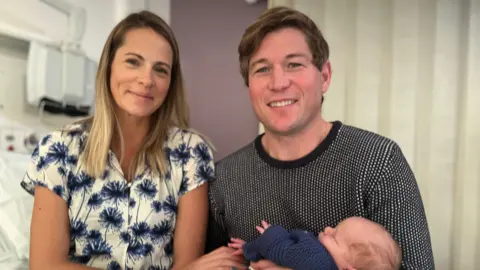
[{"x": 296, "y": 146}]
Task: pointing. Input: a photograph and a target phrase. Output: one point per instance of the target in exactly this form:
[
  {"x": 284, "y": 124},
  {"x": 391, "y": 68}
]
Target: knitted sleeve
[
  {"x": 401, "y": 212},
  {"x": 299, "y": 250},
  {"x": 216, "y": 233}
]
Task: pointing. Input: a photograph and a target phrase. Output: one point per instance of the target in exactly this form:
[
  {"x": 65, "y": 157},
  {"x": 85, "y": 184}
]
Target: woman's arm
[
  {"x": 50, "y": 233},
  {"x": 191, "y": 226}
]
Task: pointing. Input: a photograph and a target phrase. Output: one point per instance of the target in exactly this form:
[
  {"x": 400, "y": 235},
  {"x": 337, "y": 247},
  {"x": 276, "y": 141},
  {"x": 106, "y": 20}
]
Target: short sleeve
[
  {"x": 195, "y": 164},
  {"x": 50, "y": 163}
]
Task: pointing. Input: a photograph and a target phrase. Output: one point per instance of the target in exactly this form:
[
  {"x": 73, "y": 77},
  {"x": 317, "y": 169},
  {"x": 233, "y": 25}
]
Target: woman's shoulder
[
  {"x": 187, "y": 137},
  {"x": 188, "y": 145},
  {"x": 72, "y": 135}
]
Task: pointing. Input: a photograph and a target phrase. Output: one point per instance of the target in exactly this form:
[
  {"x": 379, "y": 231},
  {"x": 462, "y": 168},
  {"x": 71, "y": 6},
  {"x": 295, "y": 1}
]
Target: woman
[{"x": 126, "y": 188}]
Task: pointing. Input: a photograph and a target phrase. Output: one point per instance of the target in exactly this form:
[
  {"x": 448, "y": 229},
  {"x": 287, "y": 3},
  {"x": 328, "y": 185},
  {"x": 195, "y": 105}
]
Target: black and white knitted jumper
[{"x": 353, "y": 172}]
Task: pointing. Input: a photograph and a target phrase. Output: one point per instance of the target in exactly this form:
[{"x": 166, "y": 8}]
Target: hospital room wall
[
  {"x": 208, "y": 33},
  {"x": 35, "y": 17},
  {"x": 101, "y": 18}
]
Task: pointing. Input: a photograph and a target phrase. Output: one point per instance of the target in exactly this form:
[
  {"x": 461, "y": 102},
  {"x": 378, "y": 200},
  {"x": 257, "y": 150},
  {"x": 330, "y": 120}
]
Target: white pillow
[{"x": 16, "y": 205}]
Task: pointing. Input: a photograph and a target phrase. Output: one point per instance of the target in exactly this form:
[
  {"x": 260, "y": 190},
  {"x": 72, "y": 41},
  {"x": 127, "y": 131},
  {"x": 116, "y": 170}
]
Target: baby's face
[{"x": 338, "y": 240}]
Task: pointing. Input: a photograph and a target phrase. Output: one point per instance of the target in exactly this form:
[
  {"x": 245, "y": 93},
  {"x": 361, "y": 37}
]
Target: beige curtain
[{"x": 410, "y": 70}]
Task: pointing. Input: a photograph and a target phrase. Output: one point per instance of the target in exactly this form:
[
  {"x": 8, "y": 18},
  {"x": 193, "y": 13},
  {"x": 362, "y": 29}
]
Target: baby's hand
[
  {"x": 238, "y": 245},
  {"x": 262, "y": 228}
]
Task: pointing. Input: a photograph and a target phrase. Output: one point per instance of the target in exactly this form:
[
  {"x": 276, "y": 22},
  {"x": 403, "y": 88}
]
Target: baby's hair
[{"x": 373, "y": 256}]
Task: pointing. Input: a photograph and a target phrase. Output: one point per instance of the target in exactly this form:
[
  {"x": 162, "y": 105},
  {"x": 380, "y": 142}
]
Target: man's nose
[{"x": 279, "y": 80}]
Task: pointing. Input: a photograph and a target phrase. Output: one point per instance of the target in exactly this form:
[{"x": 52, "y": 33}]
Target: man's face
[{"x": 286, "y": 88}]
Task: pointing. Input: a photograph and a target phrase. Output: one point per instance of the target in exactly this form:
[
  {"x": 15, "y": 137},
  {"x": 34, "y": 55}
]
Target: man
[{"x": 305, "y": 172}]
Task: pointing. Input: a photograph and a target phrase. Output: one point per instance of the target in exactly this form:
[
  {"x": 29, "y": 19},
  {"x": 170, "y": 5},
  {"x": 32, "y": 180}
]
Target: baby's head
[{"x": 358, "y": 243}]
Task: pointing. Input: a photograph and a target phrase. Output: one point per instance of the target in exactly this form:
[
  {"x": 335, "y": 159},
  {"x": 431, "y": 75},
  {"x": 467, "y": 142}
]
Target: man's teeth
[{"x": 281, "y": 103}]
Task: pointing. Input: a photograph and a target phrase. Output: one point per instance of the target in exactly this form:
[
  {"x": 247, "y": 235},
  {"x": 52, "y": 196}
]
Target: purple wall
[{"x": 208, "y": 32}]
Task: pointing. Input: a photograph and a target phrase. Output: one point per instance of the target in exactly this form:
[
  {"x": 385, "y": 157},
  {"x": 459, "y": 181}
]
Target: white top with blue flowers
[{"x": 115, "y": 224}]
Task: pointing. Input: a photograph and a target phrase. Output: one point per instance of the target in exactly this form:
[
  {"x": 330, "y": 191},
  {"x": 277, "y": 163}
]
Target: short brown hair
[{"x": 277, "y": 18}]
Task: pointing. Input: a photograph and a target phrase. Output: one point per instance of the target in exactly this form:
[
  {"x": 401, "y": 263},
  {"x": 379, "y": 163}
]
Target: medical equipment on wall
[
  {"x": 19, "y": 138},
  {"x": 61, "y": 78}
]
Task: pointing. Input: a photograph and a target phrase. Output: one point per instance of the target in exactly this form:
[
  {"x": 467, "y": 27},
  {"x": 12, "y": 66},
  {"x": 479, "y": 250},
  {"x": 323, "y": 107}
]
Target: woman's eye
[
  {"x": 133, "y": 62},
  {"x": 161, "y": 70}
]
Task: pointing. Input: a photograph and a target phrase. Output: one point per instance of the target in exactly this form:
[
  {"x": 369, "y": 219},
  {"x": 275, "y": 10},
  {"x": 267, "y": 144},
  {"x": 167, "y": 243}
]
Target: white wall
[
  {"x": 409, "y": 70},
  {"x": 53, "y": 24},
  {"x": 32, "y": 18}
]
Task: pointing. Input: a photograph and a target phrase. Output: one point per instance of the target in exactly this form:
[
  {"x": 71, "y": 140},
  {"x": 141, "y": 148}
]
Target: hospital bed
[{"x": 15, "y": 212}]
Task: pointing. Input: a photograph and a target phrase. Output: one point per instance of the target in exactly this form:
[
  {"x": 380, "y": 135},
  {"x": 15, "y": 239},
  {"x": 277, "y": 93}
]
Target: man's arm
[
  {"x": 394, "y": 201},
  {"x": 216, "y": 233}
]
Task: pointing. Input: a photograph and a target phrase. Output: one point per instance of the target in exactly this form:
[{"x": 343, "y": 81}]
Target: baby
[{"x": 355, "y": 244}]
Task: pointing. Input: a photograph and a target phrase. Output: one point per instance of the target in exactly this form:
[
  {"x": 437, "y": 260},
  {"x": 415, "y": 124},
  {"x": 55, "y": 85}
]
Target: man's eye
[{"x": 261, "y": 70}]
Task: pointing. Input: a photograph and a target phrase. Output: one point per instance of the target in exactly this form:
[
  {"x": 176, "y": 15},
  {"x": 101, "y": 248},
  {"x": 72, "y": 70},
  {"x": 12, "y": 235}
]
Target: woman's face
[{"x": 141, "y": 73}]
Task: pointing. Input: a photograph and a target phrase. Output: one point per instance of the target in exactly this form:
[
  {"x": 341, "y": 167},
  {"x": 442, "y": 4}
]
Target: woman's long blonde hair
[{"x": 103, "y": 127}]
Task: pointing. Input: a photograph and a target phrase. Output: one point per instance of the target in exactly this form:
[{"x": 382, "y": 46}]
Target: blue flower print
[
  {"x": 62, "y": 171},
  {"x": 147, "y": 189},
  {"x": 140, "y": 230},
  {"x": 181, "y": 154},
  {"x": 79, "y": 183},
  {"x": 45, "y": 140},
  {"x": 106, "y": 174},
  {"x": 115, "y": 192},
  {"x": 170, "y": 205},
  {"x": 94, "y": 235},
  {"x": 202, "y": 154},
  {"x": 114, "y": 265},
  {"x": 97, "y": 249},
  {"x": 160, "y": 231},
  {"x": 94, "y": 203},
  {"x": 157, "y": 267},
  {"x": 125, "y": 237},
  {"x": 111, "y": 219},
  {"x": 58, "y": 155},
  {"x": 204, "y": 173},
  {"x": 78, "y": 230},
  {"x": 184, "y": 183},
  {"x": 132, "y": 203},
  {"x": 116, "y": 224},
  {"x": 156, "y": 208},
  {"x": 136, "y": 250},
  {"x": 59, "y": 190},
  {"x": 35, "y": 153}
]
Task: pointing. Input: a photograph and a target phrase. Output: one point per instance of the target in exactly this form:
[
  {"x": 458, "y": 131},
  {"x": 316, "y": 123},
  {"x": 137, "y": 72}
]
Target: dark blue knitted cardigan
[{"x": 299, "y": 250}]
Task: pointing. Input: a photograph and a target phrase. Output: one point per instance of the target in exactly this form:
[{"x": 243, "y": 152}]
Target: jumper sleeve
[
  {"x": 395, "y": 202},
  {"x": 217, "y": 235}
]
